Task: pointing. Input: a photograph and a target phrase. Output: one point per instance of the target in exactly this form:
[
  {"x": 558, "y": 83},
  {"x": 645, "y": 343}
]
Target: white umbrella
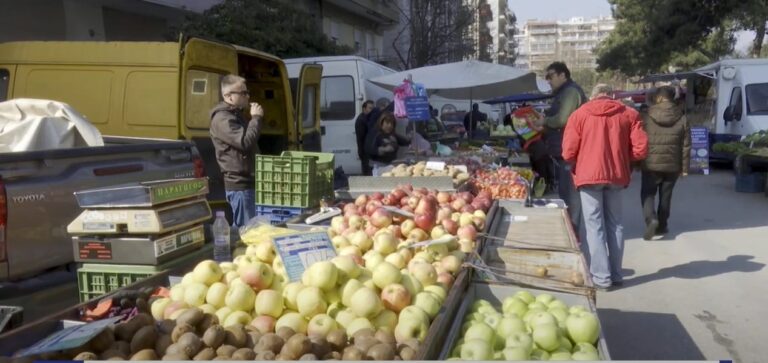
[{"x": 470, "y": 79}]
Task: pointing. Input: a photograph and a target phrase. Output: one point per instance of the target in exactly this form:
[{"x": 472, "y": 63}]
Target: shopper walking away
[
  {"x": 568, "y": 96},
  {"x": 235, "y": 141},
  {"x": 600, "y": 141},
  {"x": 669, "y": 153},
  {"x": 361, "y": 131}
]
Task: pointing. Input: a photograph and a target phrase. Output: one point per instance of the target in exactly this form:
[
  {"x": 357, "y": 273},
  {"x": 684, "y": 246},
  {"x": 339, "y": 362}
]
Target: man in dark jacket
[
  {"x": 568, "y": 96},
  {"x": 235, "y": 142},
  {"x": 361, "y": 131},
  {"x": 471, "y": 119},
  {"x": 669, "y": 153}
]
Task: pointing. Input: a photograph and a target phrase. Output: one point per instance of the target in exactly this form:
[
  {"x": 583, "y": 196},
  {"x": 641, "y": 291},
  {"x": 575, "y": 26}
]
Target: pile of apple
[{"x": 528, "y": 328}]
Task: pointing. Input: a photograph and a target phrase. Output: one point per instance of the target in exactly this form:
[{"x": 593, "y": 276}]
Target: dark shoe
[
  {"x": 650, "y": 230},
  {"x": 603, "y": 288},
  {"x": 617, "y": 283},
  {"x": 660, "y": 231}
]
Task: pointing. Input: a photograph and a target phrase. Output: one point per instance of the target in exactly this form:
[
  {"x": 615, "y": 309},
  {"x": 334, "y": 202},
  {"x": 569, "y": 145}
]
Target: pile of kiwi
[{"x": 195, "y": 335}]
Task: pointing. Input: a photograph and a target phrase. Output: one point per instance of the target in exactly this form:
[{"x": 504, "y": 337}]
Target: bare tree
[{"x": 434, "y": 31}]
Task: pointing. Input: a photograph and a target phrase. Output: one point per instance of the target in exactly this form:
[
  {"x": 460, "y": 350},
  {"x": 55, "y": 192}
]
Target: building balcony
[{"x": 377, "y": 11}]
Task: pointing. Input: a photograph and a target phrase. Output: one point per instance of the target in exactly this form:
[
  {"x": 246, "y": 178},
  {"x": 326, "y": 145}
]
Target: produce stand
[
  {"x": 359, "y": 185},
  {"x": 514, "y": 225}
]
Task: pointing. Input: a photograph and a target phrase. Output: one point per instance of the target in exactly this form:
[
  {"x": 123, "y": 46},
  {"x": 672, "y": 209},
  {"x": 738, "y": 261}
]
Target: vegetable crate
[
  {"x": 278, "y": 214},
  {"x": 293, "y": 179},
  {"x": 94, "y": 280}
]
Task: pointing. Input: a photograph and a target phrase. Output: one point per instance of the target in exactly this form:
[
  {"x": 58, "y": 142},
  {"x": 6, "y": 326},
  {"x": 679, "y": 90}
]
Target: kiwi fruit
[
  {"x": 205, "y": 354},
  {"x": 111, "y": 353},
  {"x": 191, "y": 344},
  {"x": 412, "y": 342},
  {"x": 352, "y": 353},
  {"x": 266, "y": 355},
  {"x": 163, "y": 342},
  {"x": 225, "y": 351},
  {"x": 145, "y": 338},
  {"x": 320, "y": 346},
  {"x": 365, "y": 342},
  {"x": 285, "y": 332},
  {"x": 146, "y": 354},
  {"x": 127, "y": 303},
  {"x": 214, "y": 336},
  {"x": 122, "y": 347},
  {"x": 102, "y": 341},
  {"x": 332, "y": 356},
  {"x": 142, "y": 305},
  {"x": 380, "y": 352},
  {"x": 125, "y": 331},
  {"x": 337, "y": 339},
  {"x": 296, "y": 346},
  {"x": 385, "y": 337},
  {"x": 271, "y": 342},
  {"x": 176, "y": 356},
  {"x": 252, "y": 338},
  {"x": 407, "y": 353},
  {"x": 206, "y": 322},
  {"x": 281, "y": 357},
  {"x": 180, "y": 330},
  {"x": 366, "y": 332},
  {"x": 166, "y": 326},
  {"x": 222, "y": 358},
  {"x": 308, "y": 356},
  {"x": 235, "y": 336},
  {"x": 191, "y": 316},
  {"x": 244, "y": 354},
  {"x": 86, "y": 356},
  {"x": 174, "y": 349}
]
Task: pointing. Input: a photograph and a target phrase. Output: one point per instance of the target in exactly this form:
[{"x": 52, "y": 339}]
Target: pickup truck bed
[{"x": 36, "y": 200}]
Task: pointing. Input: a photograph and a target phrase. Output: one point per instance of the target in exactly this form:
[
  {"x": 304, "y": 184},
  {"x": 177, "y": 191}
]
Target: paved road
[{"x": 699, "y": 293}]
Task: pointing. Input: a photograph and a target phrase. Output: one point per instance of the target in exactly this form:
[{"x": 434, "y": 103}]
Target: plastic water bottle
[{"x": 221, "y": 250}]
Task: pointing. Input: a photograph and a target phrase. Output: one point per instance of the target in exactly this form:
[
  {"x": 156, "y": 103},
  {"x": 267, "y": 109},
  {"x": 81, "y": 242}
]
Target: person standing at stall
[
  {"x": 669, "y": 153},
  {"x": 568, "y": 96},
  {"x": 600, "y": 141},
  {"x": 382, "y": 144},
  {"x": 361, "y": 131},
  {"x": 235, "y": 141}
]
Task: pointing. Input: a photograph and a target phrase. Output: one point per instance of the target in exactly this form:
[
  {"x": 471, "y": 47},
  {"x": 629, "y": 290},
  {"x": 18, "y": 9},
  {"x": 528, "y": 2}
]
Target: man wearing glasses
[
  {"x": 235, "y": 141},
  {"x": 568, "y": 96}
]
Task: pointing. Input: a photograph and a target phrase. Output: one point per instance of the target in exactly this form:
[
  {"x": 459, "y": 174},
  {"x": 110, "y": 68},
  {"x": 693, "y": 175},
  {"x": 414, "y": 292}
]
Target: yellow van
[{"x": 165, "y": 90}]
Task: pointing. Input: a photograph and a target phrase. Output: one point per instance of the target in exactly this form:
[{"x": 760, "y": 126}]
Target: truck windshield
[{"x": 757, "y": 99}]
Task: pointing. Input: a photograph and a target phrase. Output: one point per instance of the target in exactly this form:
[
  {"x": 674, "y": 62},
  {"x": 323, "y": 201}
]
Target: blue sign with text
[{"x": 417, "y": 108}]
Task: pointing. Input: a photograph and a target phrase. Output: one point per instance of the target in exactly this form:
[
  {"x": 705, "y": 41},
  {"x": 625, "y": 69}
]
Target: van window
[
  {"x": 735, "y": 103},
  {"x": 202, "y": 92},
  {"x": 5, "y": 79},
  {"x": 757, "y": 99},
  {"x": 337, "y": 98},
  {"x": 308, "y": 107}
]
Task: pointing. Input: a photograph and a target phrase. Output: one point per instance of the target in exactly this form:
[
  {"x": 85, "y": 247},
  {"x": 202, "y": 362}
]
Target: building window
[{"x": 337, "y": 98}]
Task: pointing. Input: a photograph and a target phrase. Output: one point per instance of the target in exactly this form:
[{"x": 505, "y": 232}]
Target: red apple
[
  {"x": 372, "y": 206},
  {"x": 444, "y": 213},
  {"x": 468, "y": 208},
  {"x": 395, "y": 297},
  {"x": 350, "y": 208},
  {"x": 371, "y": 230},
  {"x": 426, "y": 205},
  {"x": 361, "y": 200},
  {"x": 381, "y": 218},
  {"x": 450, "y": 226},
  {"x": 425, "y": 221},
  {"x": 264, "y": 324},
  {"x": 445, "y": 279},
  {"x": 467, "y": 232},
  {"x": 404, "y": 201},
  {"x": 398, "y": 194},
  {"x": 458, "y": 204},
  {"x": 467, "y": 196},
  {"x": 377, "y": 196}
]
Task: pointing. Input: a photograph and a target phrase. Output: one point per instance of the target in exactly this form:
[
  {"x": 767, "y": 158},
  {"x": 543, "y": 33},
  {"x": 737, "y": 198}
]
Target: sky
[{"x": 566, "y": 9}]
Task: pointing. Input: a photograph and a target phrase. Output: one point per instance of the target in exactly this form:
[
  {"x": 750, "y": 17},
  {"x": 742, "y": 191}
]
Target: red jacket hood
[{"x": 604, "y": 107}]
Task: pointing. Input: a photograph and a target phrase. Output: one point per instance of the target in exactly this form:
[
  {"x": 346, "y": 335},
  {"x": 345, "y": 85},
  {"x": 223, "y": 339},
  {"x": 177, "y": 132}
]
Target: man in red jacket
[{"x": 601, "y": 139}]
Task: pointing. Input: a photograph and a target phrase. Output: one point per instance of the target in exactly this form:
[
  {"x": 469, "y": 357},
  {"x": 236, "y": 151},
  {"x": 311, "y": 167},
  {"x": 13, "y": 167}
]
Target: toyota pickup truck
[{"x": 37, "y": 201}]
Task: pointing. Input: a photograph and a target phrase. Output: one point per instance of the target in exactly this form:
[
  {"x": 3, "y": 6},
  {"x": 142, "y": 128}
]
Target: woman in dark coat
[{"x": 382, "y": 144}]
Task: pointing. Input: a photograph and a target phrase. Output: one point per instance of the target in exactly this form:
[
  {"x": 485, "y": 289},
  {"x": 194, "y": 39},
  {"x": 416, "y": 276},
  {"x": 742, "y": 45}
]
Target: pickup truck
[{"x": 37, "y": 201}]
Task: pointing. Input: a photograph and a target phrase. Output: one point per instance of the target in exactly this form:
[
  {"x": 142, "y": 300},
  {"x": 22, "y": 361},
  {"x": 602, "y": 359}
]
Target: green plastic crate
[
  {"x": 94, "y": 280},
  {"x": 294, "y": 179}
]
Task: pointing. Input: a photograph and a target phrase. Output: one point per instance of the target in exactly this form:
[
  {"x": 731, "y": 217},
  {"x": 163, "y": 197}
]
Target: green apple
[
  {"x": 425, "y": 273},
  {"x": 516, "y": 353},
  {"x": 576, "y": 308},
  {"x": 207, "y": 272},
  {"x": 411, "y": 329},
  {"x": 349, "y": 289},
  {"x": 158, "y": 307},
  {"x": 237, "y": 317},
  {"x": 386, "y": 320},
  {"x": 294, "y": 321},
  {"x": 366, "y": 303},
  {"x": 565, "y": 344},
  {"x": 478, "y": 304},
  {"x": 437, "y": 290},
  {"x": 428, "y": 302},
  {"x": 487, "y": 310},
  {"x": 545, "y": 298},
  {"x": 269, "y": 302},
  {"x": 345, "y": 317},
  {"x": 240, "y": 297},
  {"x": 216, "y": 293},
  {"x": 559, "y": 314},
  {"x": 560, "y": 356},
  {"x": 537, "y": 306},
  {"x": 509, "y": 325},
  {"x": 332, "y": 296},
  {"x": 557, "y": 304},
  {"x": 177, "y": 291},
  {"x": 372, "y": 259},
  {"x": 311, "y": 302},
  {"x": 516, "y": 306},
  {"x": 334, "y": 308},
  {"x": 346, "y": 266},
  {"x": 476, "y": 350},
  {"x": 546, "y": 336},
  {"x": 583, "y": 327},
  {"x": 530, "y": 314},
  {"x": 411, "y": 283},
  {"x": 456, "y": 352},
  {"x": 519, "y": 340},
  {"x": 223, "y": 312},
  {"x": 498, "y": 355},
  {"x": 583, "y": 355},
  {"x": 584, "y": 347},
  {"x": 323, "y": 275},
  {"x": 525, "y": 296},
  {"x": 538, "y": 354},
  {"x": 541, "y": 317},
  {"x": 413, "y": 313},
  {"x": 480, "y": 331},
  {"x": 208, "y": 309},
  {"x": 357, "y": 324},
  {"x": 385, "y": 274},
  {"x": 493, "y": 320},
  {"x": 290, "y": 292}
]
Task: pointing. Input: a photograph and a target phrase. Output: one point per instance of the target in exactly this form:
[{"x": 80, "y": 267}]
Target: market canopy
[
  {"x": 522, "y": 97},
  {"x": 470, "y": 79}
]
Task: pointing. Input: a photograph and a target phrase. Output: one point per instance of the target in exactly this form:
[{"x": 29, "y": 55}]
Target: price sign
[
  {"x": 699, "y": 150},
  {"x": 300, "y": 250},
  {"x": 436, "y": 165},
  {"x": 417, "y": 108}
]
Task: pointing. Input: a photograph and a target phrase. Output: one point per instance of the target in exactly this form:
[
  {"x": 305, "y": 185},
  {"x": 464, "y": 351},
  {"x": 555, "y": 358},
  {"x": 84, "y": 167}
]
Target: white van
[{"x": 343, "y": 89}]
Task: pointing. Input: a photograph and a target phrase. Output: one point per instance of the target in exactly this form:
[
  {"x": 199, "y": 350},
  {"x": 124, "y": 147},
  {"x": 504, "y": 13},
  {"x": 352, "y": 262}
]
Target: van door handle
[{"x": 322, "y": 130}]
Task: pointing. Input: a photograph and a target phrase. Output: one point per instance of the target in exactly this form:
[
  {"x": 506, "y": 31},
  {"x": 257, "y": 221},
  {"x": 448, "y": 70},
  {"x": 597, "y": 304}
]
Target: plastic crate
[
  {"x": 278, "y": 214},
  {"x": 751, "y": 183},
  {"x": 94, "y": 280},
  {"x": 11, "y": 317},
  {"x": 293, "y": 180}
]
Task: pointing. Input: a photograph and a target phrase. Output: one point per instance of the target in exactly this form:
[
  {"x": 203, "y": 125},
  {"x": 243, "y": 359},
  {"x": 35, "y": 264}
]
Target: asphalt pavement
[{"x": 699, "y": 292}]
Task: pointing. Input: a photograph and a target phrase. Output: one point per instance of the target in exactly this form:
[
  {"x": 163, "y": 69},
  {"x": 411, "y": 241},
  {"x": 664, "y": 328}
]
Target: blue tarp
[{"x": 523, "y": 97}]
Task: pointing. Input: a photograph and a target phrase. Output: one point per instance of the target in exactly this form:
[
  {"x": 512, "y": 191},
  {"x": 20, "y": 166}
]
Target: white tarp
[
  {"x": 470, "y": 79},
  {"x": 29, "y": 124}
]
